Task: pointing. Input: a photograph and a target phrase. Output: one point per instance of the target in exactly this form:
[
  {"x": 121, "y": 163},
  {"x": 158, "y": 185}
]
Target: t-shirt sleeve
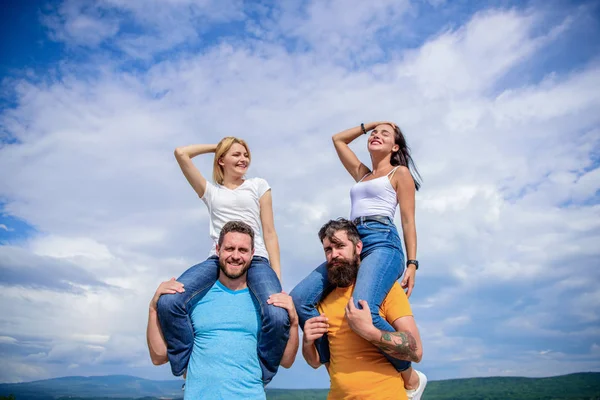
[
  {"x": 396, "y": 304},
  {"x": 262, "y": 187},
  {"x": 209, "y": 192}
]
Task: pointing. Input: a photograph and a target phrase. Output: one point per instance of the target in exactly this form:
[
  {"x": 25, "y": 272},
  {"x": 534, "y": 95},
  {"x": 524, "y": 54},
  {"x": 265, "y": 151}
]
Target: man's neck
[{"x": 233, "y": 284}]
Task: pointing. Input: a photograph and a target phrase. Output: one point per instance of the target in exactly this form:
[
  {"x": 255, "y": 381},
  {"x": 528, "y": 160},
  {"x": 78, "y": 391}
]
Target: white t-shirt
[{"x": 239, "y": 204}]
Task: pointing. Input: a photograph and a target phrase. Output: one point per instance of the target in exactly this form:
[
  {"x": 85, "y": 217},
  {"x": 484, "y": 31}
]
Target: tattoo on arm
[{"x": 400, "y": 345}]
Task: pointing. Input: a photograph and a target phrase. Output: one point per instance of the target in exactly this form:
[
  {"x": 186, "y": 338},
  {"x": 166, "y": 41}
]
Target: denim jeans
[
  {"x": 177, "y": 326},
  {"x": 382, "y": 264}
]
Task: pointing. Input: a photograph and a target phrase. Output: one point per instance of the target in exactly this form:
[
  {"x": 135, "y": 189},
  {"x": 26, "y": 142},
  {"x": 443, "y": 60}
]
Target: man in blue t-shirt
[{"x": 224, "y": 363}]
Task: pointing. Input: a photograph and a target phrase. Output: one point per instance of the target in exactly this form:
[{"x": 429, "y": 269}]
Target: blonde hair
[{"x": 222, "y": 149}]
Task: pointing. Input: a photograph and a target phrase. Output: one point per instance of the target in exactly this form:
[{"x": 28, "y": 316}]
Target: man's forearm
[
  {"x": 310, "y": 354},
  {"x": 400, "y": 345},
  {"x": 289, "y": 355},
  {"x": 156, "y": 342}
]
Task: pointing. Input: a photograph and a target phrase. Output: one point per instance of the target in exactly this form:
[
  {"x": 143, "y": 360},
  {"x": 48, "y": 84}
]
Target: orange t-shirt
[{"x": 357, "y": 369}]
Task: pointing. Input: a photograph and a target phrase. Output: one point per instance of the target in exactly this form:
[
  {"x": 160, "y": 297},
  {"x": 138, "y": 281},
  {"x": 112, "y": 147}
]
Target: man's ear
[
  {"x": 218, "y": 248},
  {"x": 359, "y": 246}
]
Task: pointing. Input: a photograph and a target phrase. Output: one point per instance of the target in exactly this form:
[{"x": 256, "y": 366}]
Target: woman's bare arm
[
  {"x": 405, "y": 192},
  {"x": 193, "y": 175},
  {"x": 269, "y": 234}
]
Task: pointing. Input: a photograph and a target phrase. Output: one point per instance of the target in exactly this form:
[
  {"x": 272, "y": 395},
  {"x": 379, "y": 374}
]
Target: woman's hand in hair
[{"x": 393, "y": 125}]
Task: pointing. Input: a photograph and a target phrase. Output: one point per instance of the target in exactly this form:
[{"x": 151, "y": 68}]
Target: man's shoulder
[
  {"x": 395, "y": 304},
  {"x": 396, "y": 291}
]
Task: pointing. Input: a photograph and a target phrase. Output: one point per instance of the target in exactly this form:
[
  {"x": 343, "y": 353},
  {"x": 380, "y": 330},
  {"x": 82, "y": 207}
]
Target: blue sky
[{"x": 498, "y": 101}]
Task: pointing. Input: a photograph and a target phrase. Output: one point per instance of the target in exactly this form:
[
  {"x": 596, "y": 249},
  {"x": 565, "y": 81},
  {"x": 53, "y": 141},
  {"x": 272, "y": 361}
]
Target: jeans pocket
[{"x": 376, "y": 227}]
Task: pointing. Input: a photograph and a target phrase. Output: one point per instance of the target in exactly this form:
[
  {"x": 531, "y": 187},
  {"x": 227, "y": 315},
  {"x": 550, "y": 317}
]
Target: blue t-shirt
[{"x": 224, "y": 362}]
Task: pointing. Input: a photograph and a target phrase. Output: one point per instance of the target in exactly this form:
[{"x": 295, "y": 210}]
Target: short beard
[
  {"x": 223, "y": 268},
  {"x": 342, "y": 272}
]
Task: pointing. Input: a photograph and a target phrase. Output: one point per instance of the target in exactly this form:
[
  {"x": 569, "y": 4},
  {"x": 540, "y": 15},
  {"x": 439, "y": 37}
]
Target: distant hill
[
  {"x": 581, "y": 386},
  {"x": 114, "y": 386}
]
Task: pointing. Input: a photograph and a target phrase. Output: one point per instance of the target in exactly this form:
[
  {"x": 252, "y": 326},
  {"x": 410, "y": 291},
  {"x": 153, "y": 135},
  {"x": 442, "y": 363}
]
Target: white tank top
[{"x": 374, "y": 197}]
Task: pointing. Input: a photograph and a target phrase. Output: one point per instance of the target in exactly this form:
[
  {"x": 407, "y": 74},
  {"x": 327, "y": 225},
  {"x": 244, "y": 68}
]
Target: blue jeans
[
  {"x": 382, "y": 264},
  {"x": 177, "y": 326}
]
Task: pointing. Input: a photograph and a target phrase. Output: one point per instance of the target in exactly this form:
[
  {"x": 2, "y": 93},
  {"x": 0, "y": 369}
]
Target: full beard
[
  {"x": 342, "y": 272},
  {"x": 233, "y": 275}
]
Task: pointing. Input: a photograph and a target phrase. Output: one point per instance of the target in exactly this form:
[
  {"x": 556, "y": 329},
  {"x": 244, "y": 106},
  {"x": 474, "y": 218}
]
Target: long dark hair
[{"x": 402, "y": 157}]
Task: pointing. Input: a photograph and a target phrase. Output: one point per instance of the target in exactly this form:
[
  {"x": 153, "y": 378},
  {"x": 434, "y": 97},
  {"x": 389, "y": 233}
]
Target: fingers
[
  {"x": 320, "y": 318},
  {"x": 316, "y": 327},
  {"x": 404, "y": 282},
  {"x": 364, "y": 305},
  {"x": 279, "y": 299},
  {"x": 170, "y": 287},
  {"x": 351, "y": 307},
  {"x": 410, "y": 289},
  {"x": 174, "y": 286},
  {"x": 282, "y": 304},
  {"x": 313, "y": 336},
  {"x": 320, "y": 322},
  {"x": 317, "y": 324},
  {"x": 280, "y": 296}
]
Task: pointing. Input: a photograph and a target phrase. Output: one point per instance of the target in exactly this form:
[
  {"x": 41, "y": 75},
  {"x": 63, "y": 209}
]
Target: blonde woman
[{"x": 231, "y": 198}]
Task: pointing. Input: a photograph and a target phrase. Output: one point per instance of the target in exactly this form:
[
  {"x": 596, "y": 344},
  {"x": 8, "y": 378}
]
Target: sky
[{"x": 498, "y": 100}]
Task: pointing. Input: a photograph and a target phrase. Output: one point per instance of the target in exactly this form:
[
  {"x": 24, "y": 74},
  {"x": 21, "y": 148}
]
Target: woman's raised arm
[{"x": 193, "y": 175}]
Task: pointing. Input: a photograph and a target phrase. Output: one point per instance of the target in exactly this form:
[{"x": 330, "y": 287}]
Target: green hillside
[{"x": 581, "y": 386}]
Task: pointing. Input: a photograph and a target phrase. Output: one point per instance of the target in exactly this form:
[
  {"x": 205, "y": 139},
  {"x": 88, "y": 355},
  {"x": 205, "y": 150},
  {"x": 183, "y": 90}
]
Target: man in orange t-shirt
[{"x": 357, "y": 367}]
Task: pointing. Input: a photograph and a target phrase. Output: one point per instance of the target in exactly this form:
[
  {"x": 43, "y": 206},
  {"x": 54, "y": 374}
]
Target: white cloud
[
  {"x": 6, "y": 228},
  {"x": 81, "y": 23},
  {"x": 339, "y": 30},
  {"x": 140, "y": 29},
  {"x": 506, "y": 217},
  {"x": 7, "y": 340}
]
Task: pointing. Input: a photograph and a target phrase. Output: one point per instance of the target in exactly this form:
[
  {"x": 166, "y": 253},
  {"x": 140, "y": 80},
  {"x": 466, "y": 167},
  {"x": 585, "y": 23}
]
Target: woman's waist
[
  {"x": 381, "y": 219},
  {"x": 377, "y": 230},
  {"x": 366, "y": 209}
]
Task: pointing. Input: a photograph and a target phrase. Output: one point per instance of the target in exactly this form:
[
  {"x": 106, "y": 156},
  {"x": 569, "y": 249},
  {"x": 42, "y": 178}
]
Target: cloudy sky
[{"x": 499, "y": 101}]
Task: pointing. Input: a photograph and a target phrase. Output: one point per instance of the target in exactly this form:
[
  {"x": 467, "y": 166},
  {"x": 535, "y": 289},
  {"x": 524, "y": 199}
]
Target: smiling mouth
[{"x": 235, "y": 265}]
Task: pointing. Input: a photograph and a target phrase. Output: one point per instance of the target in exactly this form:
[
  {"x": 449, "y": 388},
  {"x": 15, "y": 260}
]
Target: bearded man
[
  {"x": 356, "y": 364},
  {"x": 224, "y": 363}
]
